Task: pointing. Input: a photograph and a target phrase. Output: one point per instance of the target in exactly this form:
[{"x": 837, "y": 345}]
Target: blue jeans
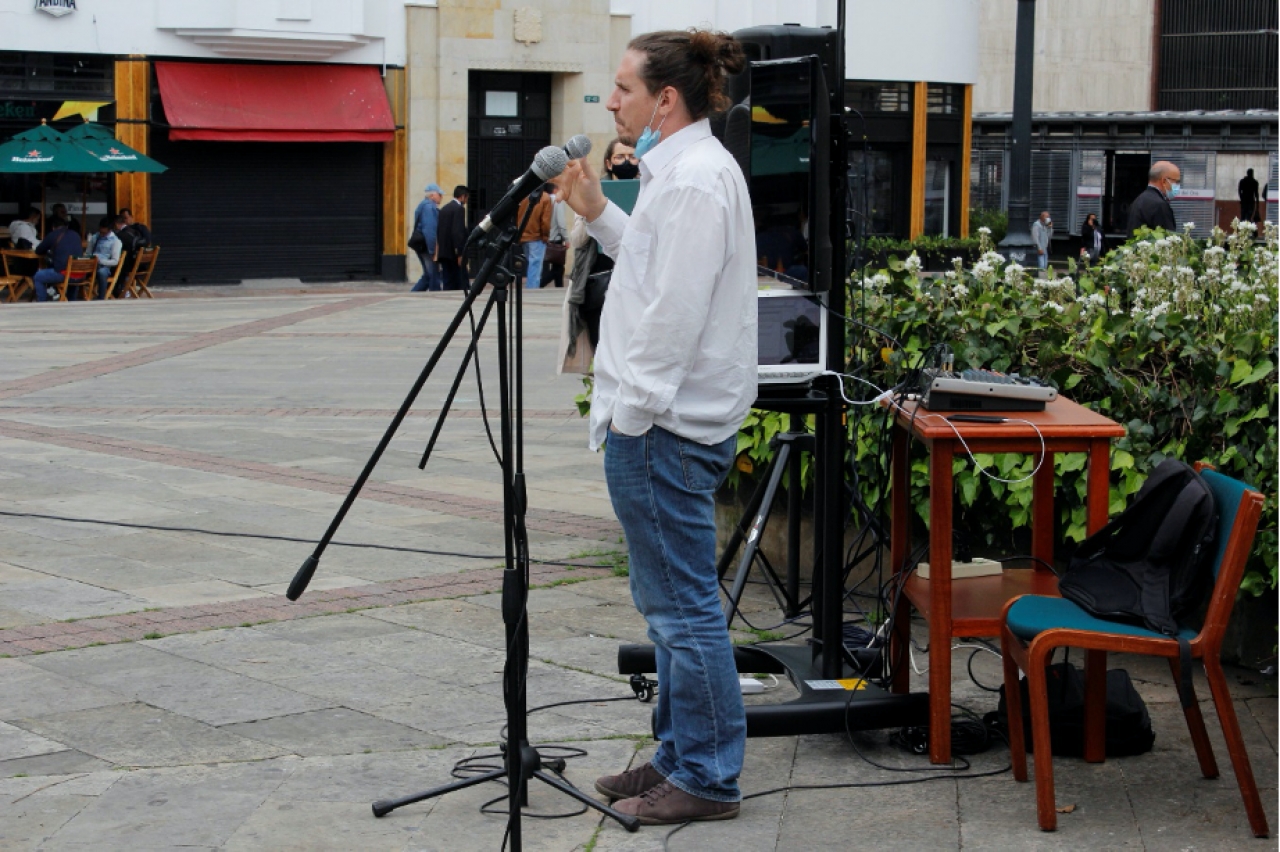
[
  {"x": 663, "y": 491},
  {"x": 534, "y": 251},
  {"x": 42, "y": 279},
  {"x": 430, "y": 279},
  {"x": 1042, "y": 260}
]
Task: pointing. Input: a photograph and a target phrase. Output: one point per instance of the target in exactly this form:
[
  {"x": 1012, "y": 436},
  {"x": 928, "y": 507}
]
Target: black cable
[{"x": 270, "y": 537}]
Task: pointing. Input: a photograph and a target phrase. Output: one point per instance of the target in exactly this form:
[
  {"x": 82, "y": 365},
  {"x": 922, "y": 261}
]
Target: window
[
  {"x": 1216, "y": 55},
  {"x": 55, "y": 75},
  {"x": 502, "y": 104},
  {"x": 878, "y": 97}
]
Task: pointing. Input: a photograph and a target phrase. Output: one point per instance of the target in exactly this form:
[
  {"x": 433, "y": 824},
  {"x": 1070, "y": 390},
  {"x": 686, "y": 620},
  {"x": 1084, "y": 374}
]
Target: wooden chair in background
[
  {"x": 135, "y": 282},
  {"x": 81, "y": 272},
  {"x": 1036, "y": 625},
  {"x": 13, "y": 280},
  {"x": 115, "y": 276}
]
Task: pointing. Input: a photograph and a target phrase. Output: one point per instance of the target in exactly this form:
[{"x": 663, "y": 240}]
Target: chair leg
[
  {"x": 1195, "y": 724},
  {"x": 1013, "y": 703},
  {"x": 1235, "y": 745},
  {"x": 1038, "y": 688},
  {"x": 1095, "y": 706}
]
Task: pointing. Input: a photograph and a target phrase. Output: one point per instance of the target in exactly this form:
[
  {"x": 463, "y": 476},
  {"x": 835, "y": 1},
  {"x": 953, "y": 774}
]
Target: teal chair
[{"x": 1035, "y": 626}]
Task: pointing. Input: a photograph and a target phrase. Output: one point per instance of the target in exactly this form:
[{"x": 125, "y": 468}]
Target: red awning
[{"x": 275, "y": 103}]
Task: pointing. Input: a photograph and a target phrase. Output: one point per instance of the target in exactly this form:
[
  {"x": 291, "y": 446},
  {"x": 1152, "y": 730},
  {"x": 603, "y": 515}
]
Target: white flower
[
  {"x": 913, "y": 263},
  {"x": 985, "y": 231}
]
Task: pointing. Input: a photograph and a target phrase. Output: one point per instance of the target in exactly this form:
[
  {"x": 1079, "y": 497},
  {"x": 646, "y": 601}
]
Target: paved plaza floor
[{"x": 165, "y": 467}]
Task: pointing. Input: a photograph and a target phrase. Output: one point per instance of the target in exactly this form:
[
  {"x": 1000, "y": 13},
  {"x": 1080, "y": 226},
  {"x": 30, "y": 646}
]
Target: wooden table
[{"x": 972, "y": 606}]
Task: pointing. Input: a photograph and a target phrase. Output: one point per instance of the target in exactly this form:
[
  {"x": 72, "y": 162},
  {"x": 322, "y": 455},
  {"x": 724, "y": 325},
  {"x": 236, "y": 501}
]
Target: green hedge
[{"x": 1174, "y": 339}]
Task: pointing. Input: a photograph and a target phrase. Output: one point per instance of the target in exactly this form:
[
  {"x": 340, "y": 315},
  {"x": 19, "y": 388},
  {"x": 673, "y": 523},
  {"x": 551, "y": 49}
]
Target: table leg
[
  {"x": 1042, "y": 512},
  {"x": 899, "y": 549},
  {"x": 1099, "y": 489},
  {"x": 940, "y": 510}
]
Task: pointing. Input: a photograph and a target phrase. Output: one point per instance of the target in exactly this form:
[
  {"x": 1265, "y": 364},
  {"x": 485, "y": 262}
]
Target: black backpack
[{"x": 1153, "y": 563}]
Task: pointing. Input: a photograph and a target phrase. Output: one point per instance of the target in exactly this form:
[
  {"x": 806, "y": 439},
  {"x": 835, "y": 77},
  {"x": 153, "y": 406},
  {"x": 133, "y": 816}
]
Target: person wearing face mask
[
  {"x": 1041, "y": 234},
  {"x": 1091, "y": 238},
  {"x": 589, "y": 275},
  {"x": 675, "y": 375},
  {"x": 1151, "y": 209}
]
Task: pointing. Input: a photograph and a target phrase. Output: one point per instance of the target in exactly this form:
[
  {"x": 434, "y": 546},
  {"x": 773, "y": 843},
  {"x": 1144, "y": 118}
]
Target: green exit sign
[{"x": 591, "y": 99}]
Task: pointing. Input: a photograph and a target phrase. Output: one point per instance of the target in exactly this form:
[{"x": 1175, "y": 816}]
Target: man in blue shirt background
[
  {"x": 424, "y": 222},
  {"x": 59, "y": 246}
]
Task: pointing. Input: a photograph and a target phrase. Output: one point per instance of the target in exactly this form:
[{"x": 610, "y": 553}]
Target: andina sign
[{"x": 57, "y": 8}]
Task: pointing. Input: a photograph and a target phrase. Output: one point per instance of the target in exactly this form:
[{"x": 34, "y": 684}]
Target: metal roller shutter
[
  {"x": 1195, "y": 202},
  {"x": 1051, "y": 187},
  {"x": 1091, "y": 176},
  {"x": 227, "y": 211}
]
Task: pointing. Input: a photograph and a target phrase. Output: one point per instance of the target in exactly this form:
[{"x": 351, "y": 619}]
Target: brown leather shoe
[
  {"x": 631, "y": 783},
  {"x": 668, "y": 805}
]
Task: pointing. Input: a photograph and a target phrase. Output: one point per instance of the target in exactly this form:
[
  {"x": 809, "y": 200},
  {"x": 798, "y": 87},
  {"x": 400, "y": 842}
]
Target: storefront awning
[{"x": 274, "y": 103}]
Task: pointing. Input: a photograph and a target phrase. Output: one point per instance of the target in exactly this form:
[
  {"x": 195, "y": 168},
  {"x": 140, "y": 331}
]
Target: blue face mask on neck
[{"x": 649, "y": 137}]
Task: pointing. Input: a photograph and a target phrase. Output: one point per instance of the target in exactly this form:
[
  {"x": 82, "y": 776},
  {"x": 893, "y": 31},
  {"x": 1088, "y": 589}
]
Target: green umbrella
[
  {"x": 112, "y": 154},
  {"x": 43, "y": 149}
]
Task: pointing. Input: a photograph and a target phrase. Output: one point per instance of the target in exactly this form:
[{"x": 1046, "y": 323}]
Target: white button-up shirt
[{"x": 678, "y": 332}]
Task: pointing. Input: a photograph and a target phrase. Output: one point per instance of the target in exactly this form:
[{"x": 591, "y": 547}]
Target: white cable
[
  {"x": 1039, "y": 462},
  {"x": 883, "y": 394}
]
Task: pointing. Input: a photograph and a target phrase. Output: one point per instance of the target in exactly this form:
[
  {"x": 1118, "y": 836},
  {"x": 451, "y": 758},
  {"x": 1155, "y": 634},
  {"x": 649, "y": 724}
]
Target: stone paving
[{"x": 167, "y": 464}]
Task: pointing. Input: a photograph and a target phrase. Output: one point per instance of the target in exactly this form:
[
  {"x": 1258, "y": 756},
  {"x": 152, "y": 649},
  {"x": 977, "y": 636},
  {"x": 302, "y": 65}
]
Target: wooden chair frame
[
  {"x": 80, "y": 272},
  {"x": 1034, "y": 656},
  {"x": 113, "y": 277},
  {"x": 16, "y": 284},
  {"x": 140, "y": 272}
]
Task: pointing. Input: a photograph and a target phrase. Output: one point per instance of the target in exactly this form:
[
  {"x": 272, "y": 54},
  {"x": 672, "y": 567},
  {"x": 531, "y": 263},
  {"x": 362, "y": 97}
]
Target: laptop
[{"x": 792, "y": 336}]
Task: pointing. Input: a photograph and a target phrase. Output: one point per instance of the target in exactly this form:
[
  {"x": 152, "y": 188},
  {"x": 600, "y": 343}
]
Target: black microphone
[{"x": 549, "y": 163}]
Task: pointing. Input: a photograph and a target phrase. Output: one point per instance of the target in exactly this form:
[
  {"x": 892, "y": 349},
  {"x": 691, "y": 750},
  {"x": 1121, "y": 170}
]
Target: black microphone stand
[{"x": 522, "y": 760}]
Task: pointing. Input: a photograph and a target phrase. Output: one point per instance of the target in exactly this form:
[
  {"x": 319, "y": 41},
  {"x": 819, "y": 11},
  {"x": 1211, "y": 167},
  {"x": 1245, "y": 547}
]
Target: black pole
[{"x": 1017, "y": 244}]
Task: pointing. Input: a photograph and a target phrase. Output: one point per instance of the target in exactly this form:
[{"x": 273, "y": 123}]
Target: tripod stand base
[
  {"x": 382, "y": 807},
  {"x": 816, "y": 711}
]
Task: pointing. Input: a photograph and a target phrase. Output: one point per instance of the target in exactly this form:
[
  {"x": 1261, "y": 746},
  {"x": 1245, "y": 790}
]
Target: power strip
[
  {"x": 749, "y": 685},
  {"x": 963, "y": 570}
]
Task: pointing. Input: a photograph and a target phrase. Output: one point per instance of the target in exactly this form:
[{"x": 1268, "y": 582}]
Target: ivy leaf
[
  {"x": 1261, "y": 371},
  {"x": 1241, "y": 371}
]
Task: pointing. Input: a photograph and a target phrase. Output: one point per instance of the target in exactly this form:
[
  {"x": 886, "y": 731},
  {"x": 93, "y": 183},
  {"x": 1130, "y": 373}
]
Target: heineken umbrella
[
  {"x": 112, "y": 154},
  {"x": 42, "y": 150}
]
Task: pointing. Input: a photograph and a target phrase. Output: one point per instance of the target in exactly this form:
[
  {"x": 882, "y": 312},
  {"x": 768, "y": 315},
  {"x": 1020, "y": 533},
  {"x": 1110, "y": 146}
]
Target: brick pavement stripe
[
  {"x": 183, "y": 346},
  {"x": 468, "y": 507}
]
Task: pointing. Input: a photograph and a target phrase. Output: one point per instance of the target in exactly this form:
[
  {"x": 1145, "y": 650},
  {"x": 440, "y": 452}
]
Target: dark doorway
[
  {"x": 1126, "y": 178},
  {"x": 509, "y": 121}
]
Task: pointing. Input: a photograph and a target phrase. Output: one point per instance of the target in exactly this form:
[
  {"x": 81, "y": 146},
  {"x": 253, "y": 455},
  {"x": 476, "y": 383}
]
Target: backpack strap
[{"x": 1155, "y": 588}]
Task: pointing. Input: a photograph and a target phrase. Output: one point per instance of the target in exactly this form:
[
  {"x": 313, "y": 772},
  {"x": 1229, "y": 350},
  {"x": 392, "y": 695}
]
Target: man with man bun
[{"x": 675, "y": 374}]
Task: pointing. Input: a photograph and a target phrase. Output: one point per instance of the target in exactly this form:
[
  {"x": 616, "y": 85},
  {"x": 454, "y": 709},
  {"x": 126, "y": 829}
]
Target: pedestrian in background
[
  {"x": 1151, "y": 209},
  {"x": 1247, "y": 189},
  {"x": 1091, "y": 237},
  {"x": 1041, "y": 234},
  {"x": 423, "y": 238},
  {"x": 536, "y": 232},
  {"x": 451, "y": 237}
]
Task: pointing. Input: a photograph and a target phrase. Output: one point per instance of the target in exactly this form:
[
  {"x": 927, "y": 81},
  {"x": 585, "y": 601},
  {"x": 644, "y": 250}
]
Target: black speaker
[{"x": 786, "y": 41}]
